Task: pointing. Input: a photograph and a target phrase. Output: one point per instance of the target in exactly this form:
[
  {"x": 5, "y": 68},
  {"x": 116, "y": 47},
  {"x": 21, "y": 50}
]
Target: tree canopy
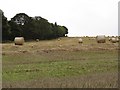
[{"x": 31, "y": 28}]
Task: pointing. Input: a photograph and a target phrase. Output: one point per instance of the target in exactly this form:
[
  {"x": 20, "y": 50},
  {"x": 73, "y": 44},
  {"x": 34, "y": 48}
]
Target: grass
[{"x": 68, "y": 65}]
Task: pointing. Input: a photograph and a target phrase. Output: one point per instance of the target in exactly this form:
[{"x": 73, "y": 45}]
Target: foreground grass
[
  {"x": 99, "y": 80},
  {"x": 60, "y": 66}
]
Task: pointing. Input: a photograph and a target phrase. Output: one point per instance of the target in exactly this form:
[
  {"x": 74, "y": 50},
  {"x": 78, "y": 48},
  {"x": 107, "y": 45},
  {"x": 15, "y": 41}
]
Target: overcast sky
[{"x": 81, "y": 17}]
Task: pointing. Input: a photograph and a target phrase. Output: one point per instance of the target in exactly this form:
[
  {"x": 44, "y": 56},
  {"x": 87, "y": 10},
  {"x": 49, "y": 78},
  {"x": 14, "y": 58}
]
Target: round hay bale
[
  {"x": 117, "y": 39},
  {"x": 59, "y": 39},
  {"x": 109, "y": 39},
  {"x": 114, "y": 40},
  {"x": 92, "y": 38},
  {"x": 37, "y": 40},
  {"x": 60, "y": 46},
  {"x": 19, "y": 40},
  {"x": 66, "y": 35},
  {"x": 32, "y": 46},
  {"x": 80, "y": 40},
  {"x": 100, "y": 39}
]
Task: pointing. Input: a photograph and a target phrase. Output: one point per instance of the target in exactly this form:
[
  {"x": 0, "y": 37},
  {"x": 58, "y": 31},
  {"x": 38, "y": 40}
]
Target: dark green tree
[
  {"x": 66, "y": 29},
  {"x": 16, "y": 30},
  {"x": 5, "y": 28},
  {"x": 20, "y": 25},
  {"x": 42, "y": 29},
  {"x": 21, "y": 18},
  {"x": 32, "y": 28}
]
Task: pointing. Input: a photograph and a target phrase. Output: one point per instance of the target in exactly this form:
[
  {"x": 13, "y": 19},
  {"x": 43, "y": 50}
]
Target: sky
[{"x": 81, "y": 17}]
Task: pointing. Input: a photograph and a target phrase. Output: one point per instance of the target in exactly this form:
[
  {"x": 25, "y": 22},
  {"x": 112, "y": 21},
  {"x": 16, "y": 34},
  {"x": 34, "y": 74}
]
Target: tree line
[{"x": 30, "y": 28}]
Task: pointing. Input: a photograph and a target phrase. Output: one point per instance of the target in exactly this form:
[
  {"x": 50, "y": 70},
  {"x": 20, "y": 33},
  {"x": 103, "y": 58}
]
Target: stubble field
[{"x": 60, "y": 64}]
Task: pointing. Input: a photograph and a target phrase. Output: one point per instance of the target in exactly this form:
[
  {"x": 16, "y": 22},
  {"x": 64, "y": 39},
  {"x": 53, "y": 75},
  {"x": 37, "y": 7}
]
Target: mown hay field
[{"x": 63, "y": 63}]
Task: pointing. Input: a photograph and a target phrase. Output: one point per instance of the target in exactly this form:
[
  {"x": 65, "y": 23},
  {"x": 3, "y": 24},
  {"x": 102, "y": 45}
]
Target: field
[{"x": 60, "y": 64}]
